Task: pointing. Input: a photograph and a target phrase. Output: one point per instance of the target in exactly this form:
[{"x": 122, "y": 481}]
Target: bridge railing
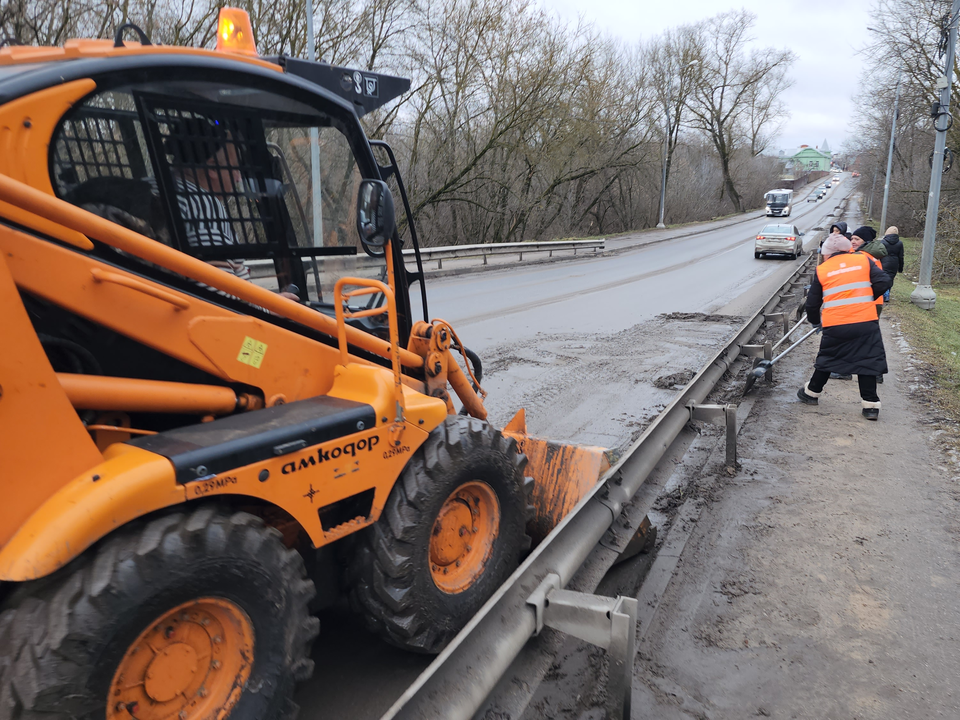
[{"x": 264, "y": 268}]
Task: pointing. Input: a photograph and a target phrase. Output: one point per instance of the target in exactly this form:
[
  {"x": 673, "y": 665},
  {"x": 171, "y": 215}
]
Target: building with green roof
[{"x": 812, "y": 158}]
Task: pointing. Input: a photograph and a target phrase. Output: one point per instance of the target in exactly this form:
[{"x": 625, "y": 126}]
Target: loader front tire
[
  {"x": 186, "y": 615},
  {"x": 452, "y": 531}
]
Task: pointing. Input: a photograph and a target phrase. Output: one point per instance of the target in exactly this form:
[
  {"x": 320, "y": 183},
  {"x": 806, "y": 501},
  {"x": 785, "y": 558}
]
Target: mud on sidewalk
[{"x": 823, "y": 581}]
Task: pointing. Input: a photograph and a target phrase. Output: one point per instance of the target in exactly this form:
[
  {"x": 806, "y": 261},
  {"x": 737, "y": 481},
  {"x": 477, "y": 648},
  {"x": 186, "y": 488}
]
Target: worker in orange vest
[{"x": 847, "y": 285}]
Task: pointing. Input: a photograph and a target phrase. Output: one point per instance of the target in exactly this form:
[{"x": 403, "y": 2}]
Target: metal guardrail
[
  {"x": 461, "y": 251},
  {"x": 457, "y": 683},
  {"x": 264, "y": 268}
]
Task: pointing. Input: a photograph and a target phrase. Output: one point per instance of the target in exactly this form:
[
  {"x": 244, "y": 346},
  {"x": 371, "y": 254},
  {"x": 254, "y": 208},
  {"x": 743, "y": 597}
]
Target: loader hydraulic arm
[
  {"x": 433, "y": 342},
  {"x": 43, "y": 205}
]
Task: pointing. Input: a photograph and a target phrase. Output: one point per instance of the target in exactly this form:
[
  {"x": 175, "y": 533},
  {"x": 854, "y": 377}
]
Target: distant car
[
  {"x": 779, "y": 239},
  {"x": 813, "y": 197},
  {"x": 836, "y": 178}
]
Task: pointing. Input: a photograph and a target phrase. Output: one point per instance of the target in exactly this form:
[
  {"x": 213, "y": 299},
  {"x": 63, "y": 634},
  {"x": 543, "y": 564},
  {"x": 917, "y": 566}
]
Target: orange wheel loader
[{"x": 211, "y": 373}]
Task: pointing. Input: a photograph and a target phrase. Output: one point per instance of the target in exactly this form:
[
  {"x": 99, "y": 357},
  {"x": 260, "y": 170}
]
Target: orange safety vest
[{"x": 847, "y": 290}]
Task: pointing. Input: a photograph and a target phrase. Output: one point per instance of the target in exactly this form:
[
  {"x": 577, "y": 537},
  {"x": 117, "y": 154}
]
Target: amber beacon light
[{"x": 234, "y": 32}]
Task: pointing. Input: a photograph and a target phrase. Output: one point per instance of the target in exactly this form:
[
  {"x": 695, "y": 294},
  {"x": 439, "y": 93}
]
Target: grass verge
[{"x": 935, "y": 336}]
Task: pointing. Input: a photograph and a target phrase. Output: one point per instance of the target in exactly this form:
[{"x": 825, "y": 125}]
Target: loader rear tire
[
  {"x": 181, "y": 615},
  {"x": 452, "y": 531}
]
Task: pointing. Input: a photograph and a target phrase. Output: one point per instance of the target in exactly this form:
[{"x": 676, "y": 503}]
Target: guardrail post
[
  {"x": 780, "y": 317},
  {"x": 610, "y": 623},
  {"x": 764, "y": 351},
  {"x": 521, "y": 257},
  {"x": 725, "y": 415}
]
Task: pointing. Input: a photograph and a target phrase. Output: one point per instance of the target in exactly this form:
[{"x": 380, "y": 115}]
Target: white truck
[{"x": 779, "y": 203}]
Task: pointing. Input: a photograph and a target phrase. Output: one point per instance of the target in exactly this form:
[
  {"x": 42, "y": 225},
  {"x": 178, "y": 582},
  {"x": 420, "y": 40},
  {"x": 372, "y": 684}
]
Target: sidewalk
[{"x": 822, "y": 581}]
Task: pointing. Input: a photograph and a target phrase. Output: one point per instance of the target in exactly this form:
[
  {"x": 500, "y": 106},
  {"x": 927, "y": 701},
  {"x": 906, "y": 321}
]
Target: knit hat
[
  {"x": 866, "y": 233},
  {"x": 835, "y": 244},
  {"x": 892, "y": 230}
]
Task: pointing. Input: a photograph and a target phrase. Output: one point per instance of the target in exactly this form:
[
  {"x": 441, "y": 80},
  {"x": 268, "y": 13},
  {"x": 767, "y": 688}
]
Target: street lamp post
[
  {"x": 666, "y": 139},
  {"x": 663, "y": 177},
  {"x": 893, "y": 134},
  {"x": 873, "y": 190},
  {"x": 314, "y": 145},
  {"x": 923, "y": 295}
]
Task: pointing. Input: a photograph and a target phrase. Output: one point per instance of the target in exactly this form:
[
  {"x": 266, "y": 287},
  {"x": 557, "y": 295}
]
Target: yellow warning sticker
[{"x": 252, "y": 352}]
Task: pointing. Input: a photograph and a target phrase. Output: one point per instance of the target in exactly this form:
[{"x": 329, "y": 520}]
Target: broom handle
[
  {"x": 789, "y": 333},
  {"x": 794, "y": 345}
]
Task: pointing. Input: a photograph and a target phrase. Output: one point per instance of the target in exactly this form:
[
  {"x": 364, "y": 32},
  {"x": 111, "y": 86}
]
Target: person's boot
[
  {"x": 838, "y": 376},
  {"x": 871, "y": 410},
  {"x": 808, "y": 396}
]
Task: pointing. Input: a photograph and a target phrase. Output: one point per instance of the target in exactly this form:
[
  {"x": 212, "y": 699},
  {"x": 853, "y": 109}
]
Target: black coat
[
  {"x": 841, "y": 226},
  {"x": 893, "y": 262},
  {"x": 855, "y": 349}
]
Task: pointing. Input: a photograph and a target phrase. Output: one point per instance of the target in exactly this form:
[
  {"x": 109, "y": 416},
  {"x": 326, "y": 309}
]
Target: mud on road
[{"x": 601, "y": 389}]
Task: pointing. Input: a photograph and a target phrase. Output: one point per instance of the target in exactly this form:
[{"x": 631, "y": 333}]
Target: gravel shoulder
[{"x": 821, "y": 581}]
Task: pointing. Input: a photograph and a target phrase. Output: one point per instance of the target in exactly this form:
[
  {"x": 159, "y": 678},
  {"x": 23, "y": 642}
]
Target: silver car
[{"x": 779, "y": 239}]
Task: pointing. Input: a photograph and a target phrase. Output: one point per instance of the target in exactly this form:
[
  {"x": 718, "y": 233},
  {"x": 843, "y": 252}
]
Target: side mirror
[{"x": 376, "y": 219}]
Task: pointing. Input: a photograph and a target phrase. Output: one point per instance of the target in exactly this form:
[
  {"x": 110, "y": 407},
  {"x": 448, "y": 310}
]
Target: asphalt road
[
  {"x": 702, "y": 273},
  {"x": 577, "y": 343}
]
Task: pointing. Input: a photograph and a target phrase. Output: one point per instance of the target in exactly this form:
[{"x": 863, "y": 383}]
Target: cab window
[{"x": 256, "y": 183}]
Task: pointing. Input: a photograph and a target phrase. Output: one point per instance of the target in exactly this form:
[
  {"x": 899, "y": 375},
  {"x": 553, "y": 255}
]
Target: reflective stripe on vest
[
  {"x": 847, "y": 290},
  {"x": 848, "y": 286}
]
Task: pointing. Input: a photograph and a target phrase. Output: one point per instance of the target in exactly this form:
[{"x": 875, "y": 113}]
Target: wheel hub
[
  {"x": 170, "y": 672},
  {"x": 463, "y": 535},
  {"x": 191, "y": 663}
]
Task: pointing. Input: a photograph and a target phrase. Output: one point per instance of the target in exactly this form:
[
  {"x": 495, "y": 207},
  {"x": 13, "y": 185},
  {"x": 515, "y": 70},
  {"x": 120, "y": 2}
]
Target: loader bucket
[{"x": 562, "y": 475}]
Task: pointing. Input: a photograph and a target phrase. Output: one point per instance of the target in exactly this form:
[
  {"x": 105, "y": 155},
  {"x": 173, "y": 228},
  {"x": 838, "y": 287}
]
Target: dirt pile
[{"x": 572, "y": 384}]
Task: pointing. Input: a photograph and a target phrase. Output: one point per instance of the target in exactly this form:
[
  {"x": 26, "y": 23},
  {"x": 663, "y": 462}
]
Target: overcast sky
[{"x": 824, "y": 35}]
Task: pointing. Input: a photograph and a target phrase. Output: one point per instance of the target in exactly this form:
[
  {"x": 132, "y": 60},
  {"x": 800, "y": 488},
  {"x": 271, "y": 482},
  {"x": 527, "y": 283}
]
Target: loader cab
[{"x": 260, "y": 179}]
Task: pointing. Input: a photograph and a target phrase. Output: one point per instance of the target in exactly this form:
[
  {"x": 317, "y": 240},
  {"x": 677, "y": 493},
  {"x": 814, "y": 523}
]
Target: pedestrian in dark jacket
[
  {"x": 893, "y": 262},
  {"x": 847, "y": 285},
  {"x": 838, "y": 228}
]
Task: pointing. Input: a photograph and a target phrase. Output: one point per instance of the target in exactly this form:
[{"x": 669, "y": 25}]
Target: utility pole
[
  {"x": 666, "y": 136},
  {"x": 893, "y": 135},
  {"x": 315, "y": 145},
  {"x": 924, "y": 296},
  {"x": 873, "y": 190},
  {"x": 663, "y": 178}
]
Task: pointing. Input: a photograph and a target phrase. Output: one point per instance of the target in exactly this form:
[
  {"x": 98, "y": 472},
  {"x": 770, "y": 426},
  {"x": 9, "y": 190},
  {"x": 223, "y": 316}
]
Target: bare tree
[
  {"x": 728, "y": 77},
  {"x": 673, "y": 60},
  {"x": 516, "y": 126},
  {"x": 766, "y": 113}
]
